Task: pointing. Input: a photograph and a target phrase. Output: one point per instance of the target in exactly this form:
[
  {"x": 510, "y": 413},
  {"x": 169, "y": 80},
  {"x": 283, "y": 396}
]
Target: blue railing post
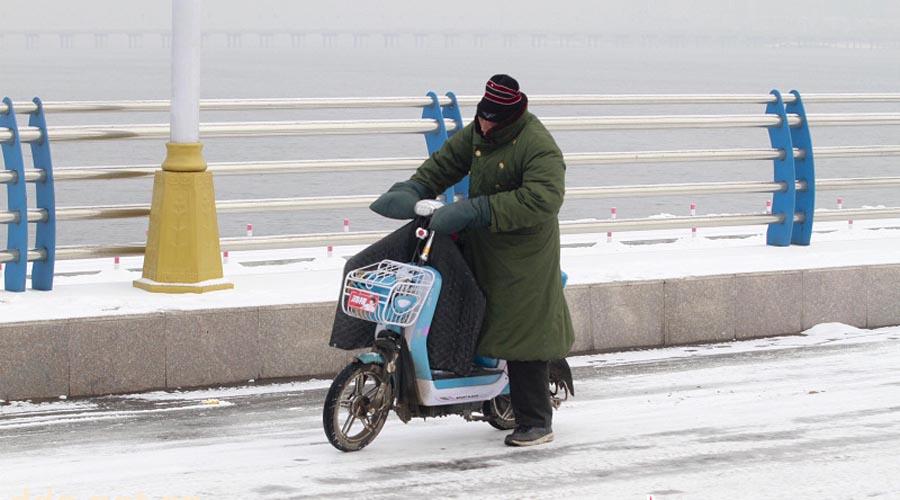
[
  {"x": 436, "y": 138},
  {"x": 805, "y": 171},
  {"x": 452, "y": 111},
  {"x": 17, "y": 232},
  {"x": 45, "y": 233},
  {"x": 784, "y": 201}
]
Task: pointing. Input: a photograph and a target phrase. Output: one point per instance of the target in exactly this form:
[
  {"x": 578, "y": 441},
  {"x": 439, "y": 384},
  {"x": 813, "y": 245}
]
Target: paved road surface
[{"x": 820, "y": 420}]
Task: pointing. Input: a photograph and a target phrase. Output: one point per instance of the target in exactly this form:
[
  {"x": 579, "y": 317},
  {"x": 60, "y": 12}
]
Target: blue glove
[
  {"x": 464, "y": 214},
  {"x": 399, "y": 202}
]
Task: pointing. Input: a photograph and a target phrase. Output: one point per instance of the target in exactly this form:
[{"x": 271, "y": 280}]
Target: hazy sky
[{"x": 745, "y": 17}]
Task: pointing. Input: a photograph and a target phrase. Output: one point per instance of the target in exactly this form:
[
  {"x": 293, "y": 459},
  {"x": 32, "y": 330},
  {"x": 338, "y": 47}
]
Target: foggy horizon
[{"x": 865, "y": 19}]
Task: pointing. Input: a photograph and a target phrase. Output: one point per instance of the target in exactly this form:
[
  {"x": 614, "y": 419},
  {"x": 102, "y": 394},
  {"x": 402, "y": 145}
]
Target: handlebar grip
[{"x": 425, "y": 208}]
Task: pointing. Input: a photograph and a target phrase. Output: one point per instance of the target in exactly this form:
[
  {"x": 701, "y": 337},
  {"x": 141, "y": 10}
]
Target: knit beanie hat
[{"x": 502, "y": 99}]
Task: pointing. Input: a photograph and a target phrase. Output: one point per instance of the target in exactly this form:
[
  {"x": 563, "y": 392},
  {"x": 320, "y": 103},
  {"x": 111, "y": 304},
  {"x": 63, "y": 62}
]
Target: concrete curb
[{"x": 120, "y": 354}]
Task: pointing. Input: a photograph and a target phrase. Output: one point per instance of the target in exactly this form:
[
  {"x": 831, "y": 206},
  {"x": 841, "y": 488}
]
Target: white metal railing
[
  {"x": 367, "y": 237},
  {"x": 225, "y": 129},
  {"x": 419, "y": 126},
  {"x": 386, "y": 164},
  {"x": 362, "y": 201}
]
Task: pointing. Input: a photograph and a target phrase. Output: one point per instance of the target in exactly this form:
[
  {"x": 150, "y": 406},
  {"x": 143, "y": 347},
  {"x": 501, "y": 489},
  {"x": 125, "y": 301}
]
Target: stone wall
[{"x": 118, "y": 354}]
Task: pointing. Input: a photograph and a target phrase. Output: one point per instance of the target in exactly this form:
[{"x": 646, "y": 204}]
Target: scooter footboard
[{"x": 463, "y": 389}]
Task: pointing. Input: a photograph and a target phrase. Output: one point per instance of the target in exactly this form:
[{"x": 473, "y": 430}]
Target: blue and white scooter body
[
  {"x": 437, "y": 392},
  {"x": 444, "y": 391},
  {"x": 372, "y": 293}
]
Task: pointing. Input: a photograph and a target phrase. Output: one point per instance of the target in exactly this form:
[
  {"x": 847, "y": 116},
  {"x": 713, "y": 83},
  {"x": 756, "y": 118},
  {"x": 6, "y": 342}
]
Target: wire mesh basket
[{"x": 388, "y": 292}]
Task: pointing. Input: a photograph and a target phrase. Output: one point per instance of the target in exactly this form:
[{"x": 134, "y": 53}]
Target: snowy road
[{"x": 800, "y": 417}]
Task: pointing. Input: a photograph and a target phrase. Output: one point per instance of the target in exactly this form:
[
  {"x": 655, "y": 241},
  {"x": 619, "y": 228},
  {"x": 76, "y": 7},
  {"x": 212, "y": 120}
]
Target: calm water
[{"x": 236, "y": 73}]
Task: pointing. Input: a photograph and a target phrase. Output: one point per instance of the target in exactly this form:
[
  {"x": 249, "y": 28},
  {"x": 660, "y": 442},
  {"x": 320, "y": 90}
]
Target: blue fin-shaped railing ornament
[
  {"x": 784, "y": 201},
  {"x": 805, "y": 171},
  {"x": 453, "y": 112},
  {"x": 45, "y": 232},
  {"x": 436, "y": 138},
  {"x": 17, "y": 232}
]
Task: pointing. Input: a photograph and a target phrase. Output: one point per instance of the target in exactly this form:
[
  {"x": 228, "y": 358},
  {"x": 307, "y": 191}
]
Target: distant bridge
[{"x": 330, "y": 39}]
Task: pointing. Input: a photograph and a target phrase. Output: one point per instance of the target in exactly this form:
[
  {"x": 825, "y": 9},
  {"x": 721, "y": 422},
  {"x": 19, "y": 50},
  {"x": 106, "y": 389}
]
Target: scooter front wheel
[{"x": 357, "y": 405}]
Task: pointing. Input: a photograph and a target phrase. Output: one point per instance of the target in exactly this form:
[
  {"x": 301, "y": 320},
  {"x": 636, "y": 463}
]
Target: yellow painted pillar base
[{"x": 182, "y": 253}]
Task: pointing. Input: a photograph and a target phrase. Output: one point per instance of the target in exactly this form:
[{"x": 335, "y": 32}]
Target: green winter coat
[{"x": 515, "y": 260}]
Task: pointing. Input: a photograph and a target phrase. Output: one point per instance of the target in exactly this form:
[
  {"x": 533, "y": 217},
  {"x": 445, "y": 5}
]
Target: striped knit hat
[{"x": 502, "y": 100}]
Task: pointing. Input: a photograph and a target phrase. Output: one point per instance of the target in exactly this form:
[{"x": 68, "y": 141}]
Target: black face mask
[{"x": 494, "y": 112}]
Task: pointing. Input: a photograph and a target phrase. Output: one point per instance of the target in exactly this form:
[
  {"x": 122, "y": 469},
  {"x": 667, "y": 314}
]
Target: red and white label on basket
[{"x": 363, "y": 301}]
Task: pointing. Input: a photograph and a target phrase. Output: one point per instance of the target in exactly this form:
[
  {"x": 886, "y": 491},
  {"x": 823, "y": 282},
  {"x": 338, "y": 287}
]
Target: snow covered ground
[
  {"x": 812, "y": 416},
  {"x": 97, "y": 288}
]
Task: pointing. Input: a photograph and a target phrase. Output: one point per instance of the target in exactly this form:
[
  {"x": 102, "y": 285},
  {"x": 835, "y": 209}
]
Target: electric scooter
[{"x": 400, "y": 298}]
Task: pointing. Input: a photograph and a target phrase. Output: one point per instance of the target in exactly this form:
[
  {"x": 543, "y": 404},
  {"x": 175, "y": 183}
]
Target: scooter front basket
[{"x": 388, "y": 292}]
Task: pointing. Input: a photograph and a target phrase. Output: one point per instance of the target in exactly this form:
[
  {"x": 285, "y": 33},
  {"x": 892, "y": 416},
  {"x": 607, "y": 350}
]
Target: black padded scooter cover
[{"x": 456, "y": 326}]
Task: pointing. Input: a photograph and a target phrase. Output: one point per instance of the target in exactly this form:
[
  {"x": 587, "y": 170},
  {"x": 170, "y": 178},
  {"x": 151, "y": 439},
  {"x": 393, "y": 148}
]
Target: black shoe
[{"x": 529, "y": 436}]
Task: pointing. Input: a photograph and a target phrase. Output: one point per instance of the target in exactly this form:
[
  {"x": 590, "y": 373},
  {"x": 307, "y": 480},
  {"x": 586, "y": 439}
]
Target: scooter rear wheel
[
  {"x": 499, "y": 413},
  {"x": 357, "y": 405}
]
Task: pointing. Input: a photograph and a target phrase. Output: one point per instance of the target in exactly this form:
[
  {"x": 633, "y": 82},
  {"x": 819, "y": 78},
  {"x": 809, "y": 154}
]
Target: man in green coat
[{"x": 510, "y": 238}]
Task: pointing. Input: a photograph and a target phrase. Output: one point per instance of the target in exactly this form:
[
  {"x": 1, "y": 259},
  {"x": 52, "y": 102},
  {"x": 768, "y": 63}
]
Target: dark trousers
[{"x": 529, "y": 391}]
